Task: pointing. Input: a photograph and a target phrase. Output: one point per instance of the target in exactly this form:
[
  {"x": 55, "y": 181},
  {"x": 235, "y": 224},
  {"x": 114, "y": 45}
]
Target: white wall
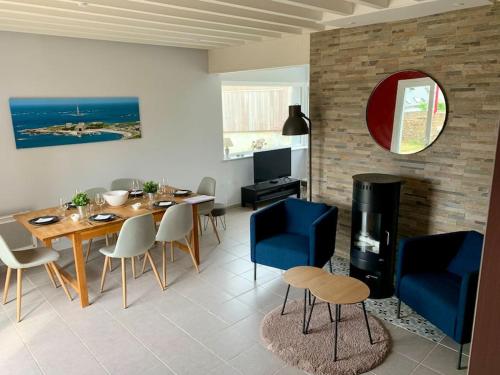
[
  {"x": 180, "y": 105},
  {"x": 271, "y": 53}
]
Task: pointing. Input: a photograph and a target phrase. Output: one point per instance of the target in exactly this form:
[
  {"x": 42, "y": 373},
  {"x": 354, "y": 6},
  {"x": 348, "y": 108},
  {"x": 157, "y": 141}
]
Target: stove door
[{"x": 366, "y": 231}]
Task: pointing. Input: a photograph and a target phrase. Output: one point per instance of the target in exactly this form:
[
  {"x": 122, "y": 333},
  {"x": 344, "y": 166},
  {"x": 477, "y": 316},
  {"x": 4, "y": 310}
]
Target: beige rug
[{"x": 313, "y": 353}]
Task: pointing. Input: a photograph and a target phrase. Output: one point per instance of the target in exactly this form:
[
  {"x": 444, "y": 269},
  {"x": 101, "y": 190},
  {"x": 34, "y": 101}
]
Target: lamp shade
[{"x": 295, "y": 123}]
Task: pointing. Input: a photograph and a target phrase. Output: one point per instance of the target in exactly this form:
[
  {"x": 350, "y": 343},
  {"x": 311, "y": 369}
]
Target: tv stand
[{"x": 269, "y": 190}]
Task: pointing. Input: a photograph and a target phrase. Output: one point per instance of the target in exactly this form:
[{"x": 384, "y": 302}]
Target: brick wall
[{"x": 447, "y": 186}]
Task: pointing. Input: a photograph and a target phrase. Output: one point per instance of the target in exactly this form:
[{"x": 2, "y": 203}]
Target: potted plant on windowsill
[
  {"x": 151, "y": 188},
  {"x": 81, "y": 201}
]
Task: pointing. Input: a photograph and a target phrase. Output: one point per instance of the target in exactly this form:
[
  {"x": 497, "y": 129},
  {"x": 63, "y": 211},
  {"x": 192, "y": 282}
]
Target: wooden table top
[
  {"x": 302, "y": 276},
  {"x": 339, "y": 289},
  {"x": 66, "y": 226}
]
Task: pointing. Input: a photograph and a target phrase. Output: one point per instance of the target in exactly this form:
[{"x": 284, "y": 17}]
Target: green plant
[
  {"x": 150, "y": 187},
  {"x": 81, "y": 199}
]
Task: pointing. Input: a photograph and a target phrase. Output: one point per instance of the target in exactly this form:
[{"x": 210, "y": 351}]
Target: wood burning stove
[{"x": 375, "y": 211}]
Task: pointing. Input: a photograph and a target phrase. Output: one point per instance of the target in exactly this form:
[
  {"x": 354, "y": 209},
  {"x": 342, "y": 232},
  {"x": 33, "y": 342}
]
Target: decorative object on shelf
[
  {"x": 259, "y": 144},
  {"x": 228, "y": 143},
  {"x": 81, "y": 201},
  {"x": 150, "y": 188},
  {"x": 406, "y": 112},
  {"x": 374, "y": 229},
  {"x": 296, "y": 125},
  {"x": 41, "y": 122}
]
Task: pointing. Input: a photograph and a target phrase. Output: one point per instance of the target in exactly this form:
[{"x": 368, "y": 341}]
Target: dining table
[{"x": 85, "y": 229}]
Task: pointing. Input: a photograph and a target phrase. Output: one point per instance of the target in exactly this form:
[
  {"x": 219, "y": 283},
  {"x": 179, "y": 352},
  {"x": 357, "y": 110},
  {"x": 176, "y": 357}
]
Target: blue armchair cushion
[
  {"x": 435, "y": 296},
  {"x": 270, "y": 251},
  {"x": 468, "y": 257},
  {"x": 301, "y": 214}
]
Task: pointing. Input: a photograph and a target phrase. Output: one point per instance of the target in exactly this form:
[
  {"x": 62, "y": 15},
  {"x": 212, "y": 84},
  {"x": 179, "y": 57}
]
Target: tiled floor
[{"x": 205, "y": 323}]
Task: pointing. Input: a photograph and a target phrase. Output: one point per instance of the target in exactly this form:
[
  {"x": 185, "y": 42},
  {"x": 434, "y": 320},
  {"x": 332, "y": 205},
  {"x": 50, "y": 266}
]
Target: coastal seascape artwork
[{"x": 42, "y": 122}]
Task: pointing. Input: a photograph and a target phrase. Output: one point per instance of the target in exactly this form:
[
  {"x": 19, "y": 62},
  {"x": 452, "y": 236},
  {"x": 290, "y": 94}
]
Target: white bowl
[{"x": 116, "y": 198}]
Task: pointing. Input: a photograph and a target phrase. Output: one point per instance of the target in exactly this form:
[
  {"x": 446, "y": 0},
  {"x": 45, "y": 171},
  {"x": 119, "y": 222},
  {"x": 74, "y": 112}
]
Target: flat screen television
[{"x": 271, "y": 165}]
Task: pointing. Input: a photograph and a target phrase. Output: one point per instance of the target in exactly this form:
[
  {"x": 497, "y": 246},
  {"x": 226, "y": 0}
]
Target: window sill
[{"x": 248, "y": 156}]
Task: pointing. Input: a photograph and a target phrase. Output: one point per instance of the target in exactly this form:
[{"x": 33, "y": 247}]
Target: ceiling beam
[
  {"x": 340, "y": 7},
  {"x": 118, "y": 24},
  {"x": 196, "y": 9},
  {"x": 377, "y": 4},
  {"x": 274, "y": 7},
  {"x": 71, "y": 34},
  {"x": 158, "y": 15},
  {"x": 22, "y": 18}
]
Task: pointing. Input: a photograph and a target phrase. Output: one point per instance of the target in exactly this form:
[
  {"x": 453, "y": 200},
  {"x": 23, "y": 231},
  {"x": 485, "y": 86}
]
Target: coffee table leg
[
  {"x": 336, "y": 332},
  {"x": 367, "y": 325},
  {"x": 284, "y": 302},
  {"x": 340, "y": 313},
  {"x": 305, "y": 312},
  {"x": 330, "y": 312},
  {"x": 310, "y": 314}
]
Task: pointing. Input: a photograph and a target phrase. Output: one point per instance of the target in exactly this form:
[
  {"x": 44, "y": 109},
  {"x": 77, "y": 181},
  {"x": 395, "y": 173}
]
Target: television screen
[{"x": 269, "y": 165}]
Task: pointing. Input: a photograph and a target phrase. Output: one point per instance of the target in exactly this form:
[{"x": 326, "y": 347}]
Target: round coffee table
[
  {"x": 301, "y": 277},
  {"x": 339, "y": 290}
]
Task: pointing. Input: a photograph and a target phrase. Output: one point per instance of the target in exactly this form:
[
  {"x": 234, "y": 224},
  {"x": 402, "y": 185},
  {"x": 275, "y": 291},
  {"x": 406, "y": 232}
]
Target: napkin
[
  {"x": 102, "y": 217},
  {"x": 181, "y": 192},
  {"x": 164, "y": 203},
  {"x": 43, "y": 220}
]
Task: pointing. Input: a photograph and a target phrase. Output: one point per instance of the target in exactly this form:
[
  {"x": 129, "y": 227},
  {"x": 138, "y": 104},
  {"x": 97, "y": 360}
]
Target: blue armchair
[
  {"x": 293, "y": 233},
  {"x": 437, "y": 277}
]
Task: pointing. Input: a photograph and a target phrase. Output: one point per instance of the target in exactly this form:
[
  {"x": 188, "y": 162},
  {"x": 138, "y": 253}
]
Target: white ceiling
[{"x": 206, "y": 24}]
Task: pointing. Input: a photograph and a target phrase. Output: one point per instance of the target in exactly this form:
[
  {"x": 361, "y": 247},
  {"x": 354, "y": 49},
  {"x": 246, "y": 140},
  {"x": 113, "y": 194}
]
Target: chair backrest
[
  {"x": 301, "y": 214},
  {"x": 124, "y": 183},
  {"x": 6, "y": 255},
  {"x": 468, "y": 257},
  {"x": 92, "y": 192},
  {"x": 136, "y": 236},
  {"x": 207, "y": 186},
  {"x": 176, "y": 223}
]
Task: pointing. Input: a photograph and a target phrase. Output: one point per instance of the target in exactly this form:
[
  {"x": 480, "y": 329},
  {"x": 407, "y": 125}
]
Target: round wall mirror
[{"x": 406, "y": 112}]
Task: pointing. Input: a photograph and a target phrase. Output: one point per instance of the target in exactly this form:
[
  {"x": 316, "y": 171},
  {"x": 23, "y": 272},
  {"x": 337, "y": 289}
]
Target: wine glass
[
  {"x": 164, "y": 185},
  {"x": 63, "y": 206},
  {"x": 99, "y": 200}
]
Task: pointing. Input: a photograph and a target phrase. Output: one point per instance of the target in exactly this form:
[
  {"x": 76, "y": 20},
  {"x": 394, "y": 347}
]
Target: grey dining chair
[
  {"x": 176, "y": 225},
  {"x": 207, "y": 187},
  {"x": 136, "y": 237},
  {"x": 92, "y": 192},
  {"x": 124, "y": 183},
  {"x": 23, "y": 259}
]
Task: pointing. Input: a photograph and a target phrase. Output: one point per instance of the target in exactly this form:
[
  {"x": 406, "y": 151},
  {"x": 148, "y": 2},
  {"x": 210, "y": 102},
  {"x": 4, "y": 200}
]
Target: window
[{"x": 254, "y": 114}]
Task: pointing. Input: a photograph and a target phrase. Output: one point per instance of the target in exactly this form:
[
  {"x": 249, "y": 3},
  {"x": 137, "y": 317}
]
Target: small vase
[
  {"x": 151, "y": 196},
  {"x": 82, "y": 211}
]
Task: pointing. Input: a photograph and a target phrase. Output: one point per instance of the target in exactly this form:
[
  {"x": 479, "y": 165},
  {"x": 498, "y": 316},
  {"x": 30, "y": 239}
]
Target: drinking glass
[
  {"x": 99, "y": 200},
  {"x": 62, "y": 205},
  {"x": 164, "y": 185}
]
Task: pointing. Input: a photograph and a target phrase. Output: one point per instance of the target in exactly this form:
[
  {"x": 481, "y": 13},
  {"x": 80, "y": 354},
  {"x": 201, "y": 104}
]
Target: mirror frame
[{"x": 424, "y": 74}]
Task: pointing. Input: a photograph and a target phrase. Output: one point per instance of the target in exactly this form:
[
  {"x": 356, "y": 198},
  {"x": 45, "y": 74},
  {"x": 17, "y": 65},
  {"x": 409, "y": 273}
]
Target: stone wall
[{"x": 446, "y": 186}]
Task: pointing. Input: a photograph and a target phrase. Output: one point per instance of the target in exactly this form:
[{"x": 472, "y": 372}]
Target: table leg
[
  {"x": 330, "y": 312},
  {"x": 81, "y": 276},
  {"x": 305, "y": 312},
  {"x": 195, "y": 237},
  {"x": 310, "y": 314},
  {"x": 367, "y": 325},
  {"x": 284, "y": 302},
  {"x": 336, "y": 332}
]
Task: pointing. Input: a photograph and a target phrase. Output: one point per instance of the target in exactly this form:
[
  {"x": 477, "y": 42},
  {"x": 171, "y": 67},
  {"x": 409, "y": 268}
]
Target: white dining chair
[
  {"x": 136, "y": 237},
  {"x": 124, "y": 183},
  {"x": 92, "y": 192},
  {"x": 176, "y": 225},
  {"x": 207, "y": 187},
  {"x": 23, "y": 259}
]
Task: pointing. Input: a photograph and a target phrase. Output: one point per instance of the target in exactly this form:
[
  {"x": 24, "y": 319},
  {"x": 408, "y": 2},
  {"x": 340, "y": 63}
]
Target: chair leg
[
  {"x": 399, "y": 309},
  {"x": 191, "y": 252},
  {"x": 144, "y": 261},
  {"x": 213, "y": 226},
  {"x": 88, "y": 250},
  {"x": 255, "y": 272},
  {"x": 172, "y": 257},
  {"x": 19, "y": 293},
  {"x": 330, "y": 265},
  {"x": 155, "y": 271},
  {"x": 104, "y": 270},
  {"x": 110, "y": 266},
  {"x": 51, "y": 275},
  {"x": 199, "y": 224},
  {"x": 460, "y": 351},
  {"x": 133, "y": 267},
  {"x": 124, "y": 284},
  {"x": 61, "y": 281},
  {"x": 164, "y": 261},
  {"x": 7, "y": 285}
]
